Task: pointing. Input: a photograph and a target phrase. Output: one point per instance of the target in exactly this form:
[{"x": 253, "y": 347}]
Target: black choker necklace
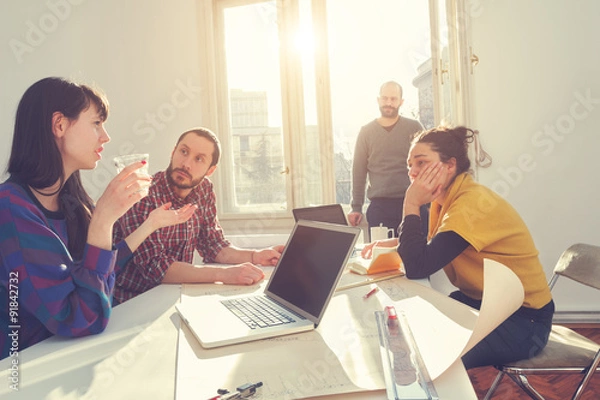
[{"x": 47, "y": 194}]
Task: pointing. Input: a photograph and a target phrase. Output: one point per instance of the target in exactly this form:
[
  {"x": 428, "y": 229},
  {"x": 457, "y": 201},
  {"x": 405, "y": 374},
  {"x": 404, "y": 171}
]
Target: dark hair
[
  {"x": 449, "y": 143},
  {"x": 35, "y": 159},
  {"x": 208, "y": 134}
]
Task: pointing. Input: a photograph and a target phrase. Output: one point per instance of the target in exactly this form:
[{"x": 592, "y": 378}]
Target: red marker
[{"x": 371, "y": 293}]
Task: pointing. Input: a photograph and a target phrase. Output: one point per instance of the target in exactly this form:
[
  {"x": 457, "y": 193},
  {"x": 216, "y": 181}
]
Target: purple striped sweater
[{"x": 43, "y": 291}]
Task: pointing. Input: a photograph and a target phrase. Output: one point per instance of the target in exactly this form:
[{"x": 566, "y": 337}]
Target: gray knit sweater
[{"x": 380, "y": 161}]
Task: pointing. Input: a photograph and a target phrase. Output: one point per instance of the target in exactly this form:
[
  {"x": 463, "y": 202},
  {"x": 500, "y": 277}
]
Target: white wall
[
  {"x": 142, "y": 53},
  {"x": 539, "y": 73}
]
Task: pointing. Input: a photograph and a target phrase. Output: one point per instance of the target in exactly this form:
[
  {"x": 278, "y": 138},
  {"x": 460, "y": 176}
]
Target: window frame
[{"x": 215, "y": 110}]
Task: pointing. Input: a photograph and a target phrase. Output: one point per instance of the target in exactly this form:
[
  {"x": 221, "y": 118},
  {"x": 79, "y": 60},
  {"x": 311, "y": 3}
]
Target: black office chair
[{"x": 567, "y": 352}]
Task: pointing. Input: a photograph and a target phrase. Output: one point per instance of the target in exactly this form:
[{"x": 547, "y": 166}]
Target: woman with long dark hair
[{"x": 57, "y": 260}]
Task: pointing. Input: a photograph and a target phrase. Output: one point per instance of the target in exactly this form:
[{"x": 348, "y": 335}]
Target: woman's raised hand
[{"x": 126, "y": 189}]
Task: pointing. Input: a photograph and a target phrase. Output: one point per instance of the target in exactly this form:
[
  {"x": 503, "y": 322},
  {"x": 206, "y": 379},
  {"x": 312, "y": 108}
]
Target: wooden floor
[{"x": 552, "y": 387}]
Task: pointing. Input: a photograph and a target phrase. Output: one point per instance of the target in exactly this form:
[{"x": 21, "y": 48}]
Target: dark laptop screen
[
  {"x": 309, "y": 267},
  {"x": 332, "y": 213}
]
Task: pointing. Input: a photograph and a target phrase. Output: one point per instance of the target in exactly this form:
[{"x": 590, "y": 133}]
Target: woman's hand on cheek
[{"x": 427, "y": 185}]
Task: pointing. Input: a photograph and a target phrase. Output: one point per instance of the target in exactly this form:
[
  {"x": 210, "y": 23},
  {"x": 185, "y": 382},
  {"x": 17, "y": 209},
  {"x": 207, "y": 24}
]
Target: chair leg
[
  {"x": 587, "y": 377},
  {"x": 523, "y": 383},
  {"x": 494, "y": 386}
]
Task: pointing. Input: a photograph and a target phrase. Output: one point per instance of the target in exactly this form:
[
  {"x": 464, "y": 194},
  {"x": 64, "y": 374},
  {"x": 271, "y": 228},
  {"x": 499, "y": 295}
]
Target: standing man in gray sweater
[{"x": 380, "y": 159}]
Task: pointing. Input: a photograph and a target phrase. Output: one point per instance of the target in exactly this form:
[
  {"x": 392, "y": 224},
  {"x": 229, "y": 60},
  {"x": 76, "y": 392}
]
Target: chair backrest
[{"x": 580, "y": 262}]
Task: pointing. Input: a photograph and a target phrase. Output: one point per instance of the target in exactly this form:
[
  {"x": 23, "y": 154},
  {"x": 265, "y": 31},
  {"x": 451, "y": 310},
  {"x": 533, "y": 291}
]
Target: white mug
[{"x": 381, "y": 233}]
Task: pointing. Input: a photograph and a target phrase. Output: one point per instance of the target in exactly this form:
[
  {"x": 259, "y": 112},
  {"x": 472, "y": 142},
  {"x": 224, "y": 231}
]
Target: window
[
  {"x": 369, "y": 45},
  {"x": 290, "y": 83}
]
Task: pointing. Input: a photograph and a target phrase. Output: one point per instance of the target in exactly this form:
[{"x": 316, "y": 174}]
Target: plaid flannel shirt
[{"x": 167, "y": 245}]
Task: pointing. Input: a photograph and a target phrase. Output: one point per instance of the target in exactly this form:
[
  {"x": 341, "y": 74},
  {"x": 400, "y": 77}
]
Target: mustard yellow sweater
[{"x": 495, "y": 231}]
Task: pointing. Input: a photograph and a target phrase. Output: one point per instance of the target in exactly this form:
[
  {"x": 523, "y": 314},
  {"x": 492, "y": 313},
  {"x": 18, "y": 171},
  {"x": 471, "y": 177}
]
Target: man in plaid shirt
[{"x": 167, "y": 254}]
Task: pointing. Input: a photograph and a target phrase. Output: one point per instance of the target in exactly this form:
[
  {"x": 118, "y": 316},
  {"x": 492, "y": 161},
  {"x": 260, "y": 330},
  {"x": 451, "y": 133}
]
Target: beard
[
  {"x": 388, "y": 111},
  {"x": 178, "y": 184}
]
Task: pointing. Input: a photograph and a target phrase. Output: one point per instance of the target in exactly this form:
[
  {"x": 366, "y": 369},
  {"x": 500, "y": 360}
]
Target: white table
[
  {"x": 133, "y": 358},
  {"x": 136, "y": 358}
]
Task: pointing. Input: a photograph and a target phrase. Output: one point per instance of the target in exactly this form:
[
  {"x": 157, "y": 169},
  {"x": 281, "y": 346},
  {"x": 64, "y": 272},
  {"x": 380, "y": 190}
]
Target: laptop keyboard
[{"x": 257, "y": 312}]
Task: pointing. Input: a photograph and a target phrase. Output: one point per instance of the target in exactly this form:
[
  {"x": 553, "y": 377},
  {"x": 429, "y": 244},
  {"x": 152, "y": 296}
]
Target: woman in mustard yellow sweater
[{"x": 467, "y": 223}]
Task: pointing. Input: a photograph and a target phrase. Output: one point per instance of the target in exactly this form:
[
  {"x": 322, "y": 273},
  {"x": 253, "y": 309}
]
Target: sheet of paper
[
  {"x": 502, "y": 296},
  {"x": 443, "y": 340},
  {"x": 290, "y": 367}
]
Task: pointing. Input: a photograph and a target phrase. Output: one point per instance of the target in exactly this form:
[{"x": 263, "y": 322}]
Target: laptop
[
  {"x": 332, "y": 213},
  {"x": 298, "y": 291}
]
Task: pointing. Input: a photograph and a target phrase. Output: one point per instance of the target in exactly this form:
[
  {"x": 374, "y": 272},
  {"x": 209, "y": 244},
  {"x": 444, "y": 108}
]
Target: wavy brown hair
[{"x": 449, "y": 143}]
